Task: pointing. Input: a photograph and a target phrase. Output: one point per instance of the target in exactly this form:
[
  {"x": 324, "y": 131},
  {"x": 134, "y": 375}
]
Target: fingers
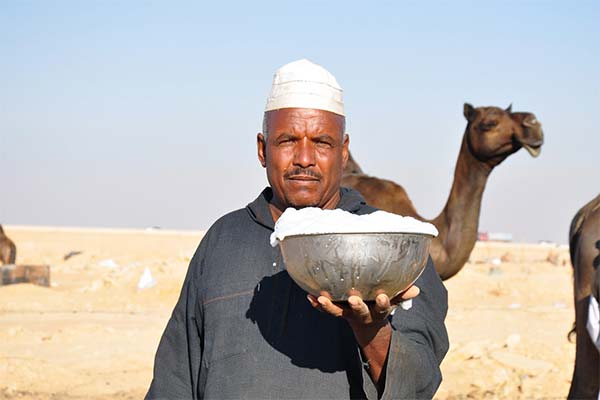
[
  {"x": 324, "y": 304},
  {"x": 313, "y": 301},
  {"x": 382, "y": 304},
  {"x": 411, "y": 293},
  {"x": 357, "y": 309},
  {"x": 408, "y": 294}
]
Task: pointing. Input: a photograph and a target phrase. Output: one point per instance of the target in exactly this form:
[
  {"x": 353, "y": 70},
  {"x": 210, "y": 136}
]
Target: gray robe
[{"x": 243, "y": 329}]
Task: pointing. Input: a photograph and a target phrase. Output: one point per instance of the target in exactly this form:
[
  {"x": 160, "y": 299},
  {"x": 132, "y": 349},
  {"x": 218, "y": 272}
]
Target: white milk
[{"x": 312, "y": 220}]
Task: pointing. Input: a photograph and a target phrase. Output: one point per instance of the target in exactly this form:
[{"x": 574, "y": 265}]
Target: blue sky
[{"x": 139, "y": 113}]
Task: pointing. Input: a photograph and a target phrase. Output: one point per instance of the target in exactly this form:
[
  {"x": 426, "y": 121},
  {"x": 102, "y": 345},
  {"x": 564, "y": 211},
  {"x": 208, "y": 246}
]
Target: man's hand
[
  {"x": 369, "y": 322},
  {"x": 360, "y": 314}
]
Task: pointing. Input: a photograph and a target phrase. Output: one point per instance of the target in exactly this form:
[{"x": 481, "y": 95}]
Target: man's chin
[
  {"x": 310, "y": 199},
  {"x": 303, "y": 204}
]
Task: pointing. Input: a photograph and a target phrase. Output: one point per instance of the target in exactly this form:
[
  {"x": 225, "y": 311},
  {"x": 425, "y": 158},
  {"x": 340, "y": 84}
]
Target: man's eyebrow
[
  {"x": 324, "y": 136},
  {"x": 284, "y": 135}
]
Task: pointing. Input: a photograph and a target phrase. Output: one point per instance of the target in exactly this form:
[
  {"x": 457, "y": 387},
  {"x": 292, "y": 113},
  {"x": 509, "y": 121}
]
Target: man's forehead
[
  {"x": 303, "y": 118},
  {"x": 303, "y": 113}
]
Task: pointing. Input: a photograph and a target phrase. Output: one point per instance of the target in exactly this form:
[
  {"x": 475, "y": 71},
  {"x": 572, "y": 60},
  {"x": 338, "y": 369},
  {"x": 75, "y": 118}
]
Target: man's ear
[
  {"x": 345, "y": 152},
  {"x": 261, "y": 148}
]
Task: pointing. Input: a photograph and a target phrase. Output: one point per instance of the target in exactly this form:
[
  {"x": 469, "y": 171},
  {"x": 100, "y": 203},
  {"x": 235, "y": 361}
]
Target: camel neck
[{"x": 458, "y": 222}]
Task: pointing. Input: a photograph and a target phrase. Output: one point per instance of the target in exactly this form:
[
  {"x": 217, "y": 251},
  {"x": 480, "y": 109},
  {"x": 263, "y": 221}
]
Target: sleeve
[
  {"x": 419, "y": 341},
  {"x": 179, "y": 355}
]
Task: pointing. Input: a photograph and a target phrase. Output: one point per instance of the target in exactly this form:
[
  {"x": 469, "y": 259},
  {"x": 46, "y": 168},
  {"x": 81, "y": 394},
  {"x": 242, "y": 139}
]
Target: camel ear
[
  {"x": 509, "y": 108},
  {"x": 468, "y": 111}
]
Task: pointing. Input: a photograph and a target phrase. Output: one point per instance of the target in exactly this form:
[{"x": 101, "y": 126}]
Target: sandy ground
[{"x": 93, "y": 333}]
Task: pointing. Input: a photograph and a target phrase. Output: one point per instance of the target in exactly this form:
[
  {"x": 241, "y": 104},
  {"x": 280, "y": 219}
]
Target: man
[{"x": 243, "y": 329}]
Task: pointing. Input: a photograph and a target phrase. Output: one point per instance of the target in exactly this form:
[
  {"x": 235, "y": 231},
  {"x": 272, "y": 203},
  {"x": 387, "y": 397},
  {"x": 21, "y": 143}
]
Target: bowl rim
[{"x": 357, "y": 233}]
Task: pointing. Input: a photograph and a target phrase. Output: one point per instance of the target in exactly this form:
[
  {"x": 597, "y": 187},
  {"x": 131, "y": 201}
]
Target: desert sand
[{"x": 93, "y": 333}]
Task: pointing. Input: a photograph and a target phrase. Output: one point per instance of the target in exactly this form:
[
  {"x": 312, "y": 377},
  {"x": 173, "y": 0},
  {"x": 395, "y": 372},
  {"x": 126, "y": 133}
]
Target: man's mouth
[{"x": 305, "y": 178}]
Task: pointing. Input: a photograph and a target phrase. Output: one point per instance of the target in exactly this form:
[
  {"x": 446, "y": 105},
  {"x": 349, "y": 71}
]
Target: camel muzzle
[
  {"x": 533, "y": 136},
  {"x": 534, "y": 149}
]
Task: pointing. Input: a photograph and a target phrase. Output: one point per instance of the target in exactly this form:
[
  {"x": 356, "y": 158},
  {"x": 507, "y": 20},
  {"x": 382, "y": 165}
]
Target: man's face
[{"x": 305, "y": 152}]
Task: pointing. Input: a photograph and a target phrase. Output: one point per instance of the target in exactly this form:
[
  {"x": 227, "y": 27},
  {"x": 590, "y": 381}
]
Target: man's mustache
[{"x": 302, "y": 172}]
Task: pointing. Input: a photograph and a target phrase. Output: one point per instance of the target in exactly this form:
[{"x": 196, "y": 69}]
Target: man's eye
[{"x": 324, "y": 144}]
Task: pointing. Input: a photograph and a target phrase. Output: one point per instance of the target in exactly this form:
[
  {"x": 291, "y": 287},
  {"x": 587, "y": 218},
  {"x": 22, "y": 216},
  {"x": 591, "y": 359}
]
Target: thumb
[{"x": 408, "y": 294}]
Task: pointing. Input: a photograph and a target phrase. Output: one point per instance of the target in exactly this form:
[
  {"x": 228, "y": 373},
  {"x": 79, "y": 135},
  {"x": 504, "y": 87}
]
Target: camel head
[{"x": 493, "y": 134}]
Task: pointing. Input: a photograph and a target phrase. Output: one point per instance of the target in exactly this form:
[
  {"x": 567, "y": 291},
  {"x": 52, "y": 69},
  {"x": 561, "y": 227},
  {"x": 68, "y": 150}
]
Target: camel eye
[{"x": 486, "y": 126}]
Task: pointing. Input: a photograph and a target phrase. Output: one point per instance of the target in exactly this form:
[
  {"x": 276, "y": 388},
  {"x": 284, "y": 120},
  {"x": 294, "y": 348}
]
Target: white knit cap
[{"x": 304, "y": 84}]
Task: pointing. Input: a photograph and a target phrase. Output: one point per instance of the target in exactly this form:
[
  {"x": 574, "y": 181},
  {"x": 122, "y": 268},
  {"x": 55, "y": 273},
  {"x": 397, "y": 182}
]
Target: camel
[
  {"x": 492, "y": 134},
  {"x": 584, "y": 248},
  {"x": 8, "y": 250}
]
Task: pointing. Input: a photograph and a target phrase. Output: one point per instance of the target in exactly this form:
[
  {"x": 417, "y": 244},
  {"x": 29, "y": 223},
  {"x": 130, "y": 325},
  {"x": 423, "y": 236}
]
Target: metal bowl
[{"x": 366, "y": 264}]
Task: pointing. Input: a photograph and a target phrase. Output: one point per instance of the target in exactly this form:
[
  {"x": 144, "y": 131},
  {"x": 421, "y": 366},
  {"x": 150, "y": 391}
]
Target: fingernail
[
  {"x": 353, "y": 300},
  {"x": 322, "y": 301}
]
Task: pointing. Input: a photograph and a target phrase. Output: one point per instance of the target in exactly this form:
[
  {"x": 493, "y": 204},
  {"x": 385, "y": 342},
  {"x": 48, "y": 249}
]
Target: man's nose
[{"x": 305, "y": 154}]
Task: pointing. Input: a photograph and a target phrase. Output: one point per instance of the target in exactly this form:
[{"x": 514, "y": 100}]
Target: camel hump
[
  {"x": 577, "y": 223},
  {"x": 395, "y": 200}
]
